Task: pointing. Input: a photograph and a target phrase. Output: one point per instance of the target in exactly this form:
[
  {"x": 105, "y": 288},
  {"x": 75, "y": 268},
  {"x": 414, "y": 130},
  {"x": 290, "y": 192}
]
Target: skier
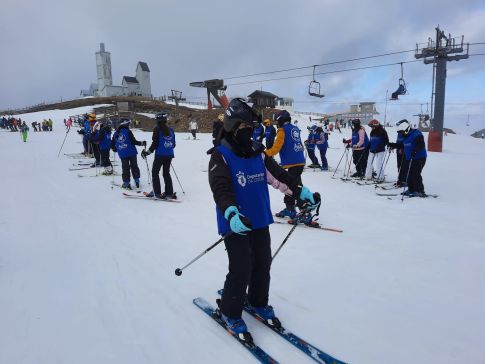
[
  {"x": 269, "y": 133},
  {"x": 377, "y": 146},
  {"x": 258, "y": 133},
  {"x": 290, "y": 148},
  {"x": 310, "y": 144},
  {"x": 359, "y": 144},
  {"x": 402, "y": 164},
  {"x": 321, "y": 138},
  {"x": 101, "y": 137},
  {"x": 124, "y": 142},
  {"x": 24, "y": 129},
  {"x": 415, "y": 154},
  {"x": 163, "y": 144},
  {"x": 68, "y": 124},
  {"x": 238, "y": 177},
  {"x": 193, "y": 126},
  {"x": 93, "y": 140}
]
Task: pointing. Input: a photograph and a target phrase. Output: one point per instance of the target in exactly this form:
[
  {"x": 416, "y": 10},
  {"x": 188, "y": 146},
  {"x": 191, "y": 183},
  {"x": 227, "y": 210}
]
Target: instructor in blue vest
[
  {"x": 239, "y": 174},
  {"x": 163, "y": 144},
  {"x": 290, "y": 148}
]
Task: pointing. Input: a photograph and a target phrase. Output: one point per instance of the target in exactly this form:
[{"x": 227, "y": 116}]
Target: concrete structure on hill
[{"x": 130, "y": 86}]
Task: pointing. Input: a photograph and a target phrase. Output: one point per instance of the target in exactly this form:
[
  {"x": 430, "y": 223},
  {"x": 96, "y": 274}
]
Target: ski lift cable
[
  {"x": 319, "y": 65},
  {"x": 331, "y": 72},
  {"x": 323, "y": 73}
]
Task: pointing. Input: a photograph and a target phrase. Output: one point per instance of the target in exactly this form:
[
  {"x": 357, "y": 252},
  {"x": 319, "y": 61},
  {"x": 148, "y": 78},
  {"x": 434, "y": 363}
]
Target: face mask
[{"x": 244, "y": 140}]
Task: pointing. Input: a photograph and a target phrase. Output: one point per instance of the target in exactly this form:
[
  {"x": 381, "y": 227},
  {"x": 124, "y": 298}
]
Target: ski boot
[
  {"x": 236, "y": 326},
  {"x": 408, "y": 193},
  {"x": 286, "y": 213},
  {"x": 267, "y": 314},
  {"x": 126, "y": 185},
  {"x": 137, "y": 183},
  {"x": 167, "y": 196},
  {"x": 108, "y": 171},
  {"x": 324, "y": 168},
  {"x": 153, "y": 195},
  {"x": 304, "y": 218}
]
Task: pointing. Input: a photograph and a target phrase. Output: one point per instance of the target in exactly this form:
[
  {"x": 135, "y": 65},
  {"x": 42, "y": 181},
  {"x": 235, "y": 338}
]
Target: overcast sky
[{"x": 48, "y": 49}]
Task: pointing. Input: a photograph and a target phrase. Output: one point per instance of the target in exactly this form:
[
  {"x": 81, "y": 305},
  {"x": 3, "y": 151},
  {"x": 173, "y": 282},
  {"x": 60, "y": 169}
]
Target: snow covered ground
[{"x": 87, "y": 276}]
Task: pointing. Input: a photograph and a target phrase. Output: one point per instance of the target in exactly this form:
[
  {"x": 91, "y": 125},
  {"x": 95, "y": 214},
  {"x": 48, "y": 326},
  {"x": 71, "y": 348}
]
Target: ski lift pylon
[{"x": 314, "y": 86}]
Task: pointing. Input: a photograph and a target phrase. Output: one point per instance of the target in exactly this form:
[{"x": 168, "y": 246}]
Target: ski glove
[
  {"x": 145, "y": 153},
  {"x": 144, "y": 143},
  {"x": 237, "y": 221}
]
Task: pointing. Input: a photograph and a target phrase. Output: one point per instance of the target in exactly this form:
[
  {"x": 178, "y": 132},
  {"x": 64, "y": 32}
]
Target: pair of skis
[
  {"x": 282, "y": 220},
  {"x": 393, "y": 196},
  {"x": 311, "y": 351},
  {"x": 143, "y": 196}
]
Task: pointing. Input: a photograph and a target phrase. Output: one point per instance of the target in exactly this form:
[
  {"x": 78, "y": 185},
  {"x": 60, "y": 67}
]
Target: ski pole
[
  {"x": 178, "y": 271},
  {"x": 407, "y": 178},
  {"x": 381, "y": 170},
  {"x": 345, "y": 151},
  {"x": 148, "y": 168},
  {"x": 113, "y": 169},
  {"x": 171, "y": 165},
  {"x": 67, "y": 132},
  {"x": 304, "y": 211}
]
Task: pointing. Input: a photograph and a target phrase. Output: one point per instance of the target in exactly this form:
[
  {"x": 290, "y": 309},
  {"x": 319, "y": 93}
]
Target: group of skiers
[
  {"x": 45, "y": 125},
  {"x": 368, "y": 154}
]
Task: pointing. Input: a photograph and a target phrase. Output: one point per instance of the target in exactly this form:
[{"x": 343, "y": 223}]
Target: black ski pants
[
  {"x": 249, "y": 268},
  {"x": 159, "y": 162},
  {"x": 311, "y": 155},
  {"x": 295, "y": 172},
  {"x": 105, "y": 162},
  {"x": 127, "y": 164},
  {"x": 415, "y": 181},
  {"x": 359, "y": 158},
  {"x": 97, "y": 155}
]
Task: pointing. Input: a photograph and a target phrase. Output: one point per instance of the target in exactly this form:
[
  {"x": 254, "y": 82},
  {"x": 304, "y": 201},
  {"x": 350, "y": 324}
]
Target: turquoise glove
[
  {"x": 306, "y": 195},
  {"x": 237, "y": 221}
]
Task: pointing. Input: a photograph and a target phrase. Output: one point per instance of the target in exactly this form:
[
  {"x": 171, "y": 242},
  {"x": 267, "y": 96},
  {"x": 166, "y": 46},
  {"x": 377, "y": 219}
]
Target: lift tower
[{"x": 439, "y": 52}]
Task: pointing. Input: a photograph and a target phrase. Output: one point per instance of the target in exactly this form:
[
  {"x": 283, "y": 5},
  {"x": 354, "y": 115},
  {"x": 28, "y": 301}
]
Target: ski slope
[{"x": 87, "y": 276}]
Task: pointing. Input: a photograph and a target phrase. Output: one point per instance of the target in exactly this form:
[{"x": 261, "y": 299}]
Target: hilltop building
[{"x": 130, "y": 86}]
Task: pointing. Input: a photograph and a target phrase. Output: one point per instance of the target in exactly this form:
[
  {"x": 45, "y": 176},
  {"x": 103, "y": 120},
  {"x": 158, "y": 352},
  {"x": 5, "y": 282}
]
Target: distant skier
[
  {"x": 310, "y": 145},
  {"x": 415, "y": 154},
  {"x": 377, "y": 146},
  {"x": 258, "y": 133},
  {"x": 321, "y": 139},
  {"x": 238, "y": 177},
  {"x": 216, "y": 128},
  {"x": 359, "y": 144},
  {"x": 163, "y": 144},
  {"x": 269, "y": 133},
  {"x": 101, "y": 137},
  {"x": 193, "y": 126},
  {"x": 24, "y": 129},
  {"x": 124, "y": 142}
]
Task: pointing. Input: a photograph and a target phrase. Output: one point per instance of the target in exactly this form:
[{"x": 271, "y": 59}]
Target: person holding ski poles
[
  {"x": 415, "y": 155},
  {"x": 377, "y": 148},
  {"x": 163, "y": 144},
  {"x": 239, "y": 174},
  {"x": 124, "y": 143},
  {"x": 359, "y": 144}
]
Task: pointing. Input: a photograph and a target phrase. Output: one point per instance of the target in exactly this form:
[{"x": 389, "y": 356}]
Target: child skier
[
  {"x": 124, "y": 143},
  {"x": 24, "y": 129},
  {"x": 163, "y": 144},
  {"x": 377, "y": 146},
  {"x": 238, "y": 177}
]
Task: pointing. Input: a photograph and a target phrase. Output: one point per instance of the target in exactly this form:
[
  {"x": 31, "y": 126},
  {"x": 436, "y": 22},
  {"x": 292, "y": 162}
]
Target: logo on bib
[
  {"x": 241, "y": 178},
  {"x": 295, "y": 134}
]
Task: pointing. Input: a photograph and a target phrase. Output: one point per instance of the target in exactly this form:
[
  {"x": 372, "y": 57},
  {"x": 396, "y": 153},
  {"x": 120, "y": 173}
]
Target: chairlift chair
[
  {"x": 402, "y": 89},
  {"x": 314, "y": 87}
]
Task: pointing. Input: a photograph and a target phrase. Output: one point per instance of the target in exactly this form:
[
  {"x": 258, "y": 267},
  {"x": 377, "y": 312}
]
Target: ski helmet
[
  {"x": 161, "y": 117},
  {"x": 403, "y": 126},
  {"x": 239, "y": 112},
  {"x": 374, "y": 123},
  {"x": 282, "y": 117}
]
